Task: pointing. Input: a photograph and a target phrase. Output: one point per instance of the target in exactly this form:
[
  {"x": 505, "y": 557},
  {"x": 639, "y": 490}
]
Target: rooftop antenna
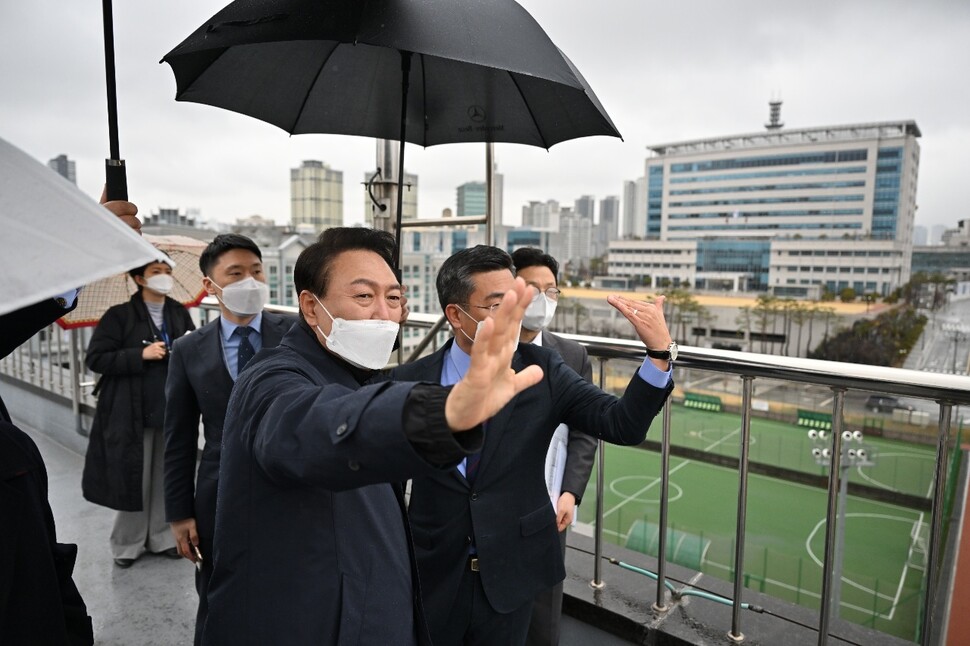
[{"x": 774, "y": 122}]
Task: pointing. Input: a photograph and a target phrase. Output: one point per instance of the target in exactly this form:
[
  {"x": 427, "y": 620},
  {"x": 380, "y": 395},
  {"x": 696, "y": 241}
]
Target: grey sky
[{"x": 664, "y": 71}]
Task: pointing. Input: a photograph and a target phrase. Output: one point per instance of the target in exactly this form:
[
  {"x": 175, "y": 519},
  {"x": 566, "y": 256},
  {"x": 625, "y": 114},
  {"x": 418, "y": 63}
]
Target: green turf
[{"x": 785, "y": 521}]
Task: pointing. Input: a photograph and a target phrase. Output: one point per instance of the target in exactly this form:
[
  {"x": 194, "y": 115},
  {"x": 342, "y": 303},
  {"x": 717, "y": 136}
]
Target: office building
[
  {"x": 316, "y": 196},
  {"x": 64, "y": 167},
  {"x": 784, "y": 210},
  {"x": 635, "y": 209},
  {"x": 471, "y": 199}
]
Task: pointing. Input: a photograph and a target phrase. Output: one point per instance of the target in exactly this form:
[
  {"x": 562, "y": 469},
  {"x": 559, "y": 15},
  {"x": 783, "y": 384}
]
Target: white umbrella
[{"x": 54, "y": 237}]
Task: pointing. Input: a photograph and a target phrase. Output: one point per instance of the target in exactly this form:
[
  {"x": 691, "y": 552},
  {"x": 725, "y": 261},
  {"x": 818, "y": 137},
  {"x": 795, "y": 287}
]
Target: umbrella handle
[{"x": 116, "y": 179}]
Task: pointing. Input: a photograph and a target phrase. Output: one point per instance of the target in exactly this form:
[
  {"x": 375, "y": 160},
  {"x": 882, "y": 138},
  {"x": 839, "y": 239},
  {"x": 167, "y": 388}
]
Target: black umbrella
[{"x": 421, "y": 71}]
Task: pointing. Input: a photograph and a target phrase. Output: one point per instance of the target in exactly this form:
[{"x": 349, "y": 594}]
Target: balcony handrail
[{"x": 948, "y": 390}]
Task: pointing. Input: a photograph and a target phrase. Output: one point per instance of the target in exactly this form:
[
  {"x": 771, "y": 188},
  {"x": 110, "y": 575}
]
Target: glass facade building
[{"x": 739, "y": 197}]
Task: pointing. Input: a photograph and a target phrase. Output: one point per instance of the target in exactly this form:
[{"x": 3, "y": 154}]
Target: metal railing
[{"x": 54, "y": 361}]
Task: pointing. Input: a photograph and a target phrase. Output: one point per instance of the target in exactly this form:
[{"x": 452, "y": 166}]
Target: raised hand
[
  {"x": 490, "y": 383},
  {"x": 648, "y": 321}
]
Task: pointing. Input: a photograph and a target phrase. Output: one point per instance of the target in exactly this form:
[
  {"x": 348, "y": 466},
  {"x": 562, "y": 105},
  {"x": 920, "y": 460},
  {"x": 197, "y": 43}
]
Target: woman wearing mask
[{"x": 124, "y": 465}]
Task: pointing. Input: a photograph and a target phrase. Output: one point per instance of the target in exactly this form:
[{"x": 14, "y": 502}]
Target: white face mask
[
  {"x": 160, "y": 283},
  {"x": 478, "y": 326},
  {"x": 539, "y": 313},
  {"x": 246, "y": 297},
  {"x": 365, "y": 343}
]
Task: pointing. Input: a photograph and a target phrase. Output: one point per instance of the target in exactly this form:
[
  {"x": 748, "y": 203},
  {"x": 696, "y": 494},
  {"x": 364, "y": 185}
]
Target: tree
[
  {"x": 765, "y": 315},
  {"x": 882, "y": 341},
  {"x": 744, "y": 321},
  {"x": 847, "y": 295}
]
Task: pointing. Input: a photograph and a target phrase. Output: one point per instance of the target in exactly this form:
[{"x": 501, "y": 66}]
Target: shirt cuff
[
  {"x": 427, "y": 429},
  {"x": 654, "y": 375},
  {"x": 66, "y": 300}
]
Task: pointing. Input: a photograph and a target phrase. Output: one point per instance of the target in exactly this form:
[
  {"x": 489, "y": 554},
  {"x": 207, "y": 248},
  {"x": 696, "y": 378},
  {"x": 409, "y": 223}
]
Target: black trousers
[
  {"x": 547, "y": 611},
  {"x": 473, "y": 621}
]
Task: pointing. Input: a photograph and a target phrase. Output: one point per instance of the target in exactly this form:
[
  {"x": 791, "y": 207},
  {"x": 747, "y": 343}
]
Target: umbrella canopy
[
  {"x": 479, "y": 71},
  {"x": 184, "y": 253},
  {"x": 55, "y": 238}
]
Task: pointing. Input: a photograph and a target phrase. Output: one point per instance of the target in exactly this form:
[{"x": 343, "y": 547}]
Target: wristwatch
[{"x": 670, "y": 354}]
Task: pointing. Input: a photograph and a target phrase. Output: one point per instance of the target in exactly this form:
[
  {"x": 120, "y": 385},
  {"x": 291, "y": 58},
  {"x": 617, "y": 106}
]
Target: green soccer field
[{"x": 884, "y": 544}]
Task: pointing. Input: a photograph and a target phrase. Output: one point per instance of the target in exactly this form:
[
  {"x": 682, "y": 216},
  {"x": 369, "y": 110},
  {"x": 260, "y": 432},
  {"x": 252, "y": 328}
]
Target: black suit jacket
[
  {"x": 39, "y": 603},
  {"x": 507, "y": 512},
  {"x": 581, "y": 449},
  {"x": 19, "y": 325},
  {"x": 199, "y": 385}
]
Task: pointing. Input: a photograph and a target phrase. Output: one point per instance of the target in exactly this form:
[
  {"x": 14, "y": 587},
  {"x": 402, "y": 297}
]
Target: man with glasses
[
  {"x": 485, "y": 535},
  {"x": 569, "y": 460}
]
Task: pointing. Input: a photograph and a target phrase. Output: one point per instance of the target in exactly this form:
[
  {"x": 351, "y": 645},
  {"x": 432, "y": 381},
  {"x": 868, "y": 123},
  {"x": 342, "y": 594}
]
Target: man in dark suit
[
  {"x": 569, "y": 461},
  {"x": 202, "y": 369},
  {"x": 311, "y": 543},
  {"x": 484, "y": 533},
  {"x": 39, "y": 602}
]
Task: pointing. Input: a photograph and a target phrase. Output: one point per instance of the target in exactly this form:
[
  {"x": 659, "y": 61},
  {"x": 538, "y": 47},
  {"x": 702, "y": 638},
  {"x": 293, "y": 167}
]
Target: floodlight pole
[{"x": 839, "y": 555}]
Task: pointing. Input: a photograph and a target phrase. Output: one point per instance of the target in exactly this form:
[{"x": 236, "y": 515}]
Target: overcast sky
[{"x": 665, "y": 71}]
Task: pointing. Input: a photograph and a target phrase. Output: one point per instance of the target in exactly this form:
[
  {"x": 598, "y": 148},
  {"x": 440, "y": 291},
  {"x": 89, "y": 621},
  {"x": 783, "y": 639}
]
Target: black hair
[
  {"x": 454, "y": 281},
  {"x": 312, "y": 271},
  {"x": 140, "y": 271},
  {"x": 221, "y": 244},
  {"x": 532, "y": 257}
]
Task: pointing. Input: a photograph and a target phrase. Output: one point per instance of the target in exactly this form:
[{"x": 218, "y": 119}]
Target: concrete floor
[{"x": 154, "y": 601}]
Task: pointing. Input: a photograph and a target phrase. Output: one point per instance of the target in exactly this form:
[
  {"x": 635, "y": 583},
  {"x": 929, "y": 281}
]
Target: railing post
[
  {"x": 597, "y": 583},
  {"x": 75, "y": 369},
  {"x": 936, "y": 528},
  {"x": 661, "y": 604},
  {"x": 831, "y": 516},
  {"x": 747, "y": 389}
]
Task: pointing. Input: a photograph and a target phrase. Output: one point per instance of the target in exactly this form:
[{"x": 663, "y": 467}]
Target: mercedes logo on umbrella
[{"x": 476, "y": 113}]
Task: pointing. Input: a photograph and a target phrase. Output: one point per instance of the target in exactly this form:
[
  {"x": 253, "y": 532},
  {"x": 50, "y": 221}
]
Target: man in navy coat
[
  {"x": 311, "y": 541},
  {"x": 485, "y": 535},
  {"x": 201, "y": 372}
]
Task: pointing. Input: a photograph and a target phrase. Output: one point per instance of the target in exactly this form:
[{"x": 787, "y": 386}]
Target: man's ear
[
  {"x": 208, "y": 286},
  {"x": 307, "y": 304},
  {"x": 453, "y": 315}
]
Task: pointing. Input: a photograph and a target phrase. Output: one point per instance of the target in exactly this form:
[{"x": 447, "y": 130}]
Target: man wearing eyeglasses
[
  {"x": 569, "y": 460},
  {"x": 485, "y": 535}
]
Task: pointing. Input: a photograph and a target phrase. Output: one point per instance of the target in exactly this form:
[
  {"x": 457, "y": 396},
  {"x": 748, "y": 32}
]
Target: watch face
[{"x": 673, "y": 351}]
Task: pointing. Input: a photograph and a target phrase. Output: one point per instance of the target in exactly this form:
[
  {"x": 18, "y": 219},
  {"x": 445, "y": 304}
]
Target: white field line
[{"x": 653, "y": 483}]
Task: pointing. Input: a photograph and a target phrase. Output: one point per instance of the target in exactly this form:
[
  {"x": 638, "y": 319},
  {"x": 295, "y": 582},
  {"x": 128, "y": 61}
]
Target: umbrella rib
[
  {"x": 529, "y": 108},
  {"x": 306, "y": 97}
]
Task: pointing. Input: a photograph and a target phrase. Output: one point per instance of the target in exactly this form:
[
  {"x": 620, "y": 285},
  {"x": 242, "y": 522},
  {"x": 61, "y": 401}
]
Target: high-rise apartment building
[
  {"x": 635, "y": 208},
  {"x": 541, "y": 215},
  {"x": 64, "y": 167},
  {"x": 316, "y": 195},
  {"x": 607, "y": 228},
  {"x": 585, "y": 206},
  {"x": 784, "y": 210}
]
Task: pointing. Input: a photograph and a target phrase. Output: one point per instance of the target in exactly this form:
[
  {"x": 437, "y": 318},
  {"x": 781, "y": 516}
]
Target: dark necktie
[
  {"x": 474, "y": 460},
  {"x": 246, "y": 350},
  {"x": 471, "y": 466}
]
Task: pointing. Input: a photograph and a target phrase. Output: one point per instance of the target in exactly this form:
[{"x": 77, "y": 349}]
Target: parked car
[{"x": 885, "y": 404}]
